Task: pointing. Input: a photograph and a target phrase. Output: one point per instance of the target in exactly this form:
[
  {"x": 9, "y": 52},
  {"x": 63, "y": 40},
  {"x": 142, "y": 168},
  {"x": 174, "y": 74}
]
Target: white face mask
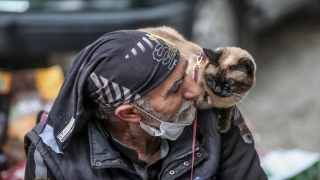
[{"x": 166, "y": 130}]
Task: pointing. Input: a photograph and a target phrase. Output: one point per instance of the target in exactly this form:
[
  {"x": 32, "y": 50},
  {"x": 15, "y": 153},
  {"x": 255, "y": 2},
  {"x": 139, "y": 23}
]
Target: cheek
[
  {"x": 168, "y": 106},
  {"x": 233, "y": 88},
  {"x": 172, "y": 105}
]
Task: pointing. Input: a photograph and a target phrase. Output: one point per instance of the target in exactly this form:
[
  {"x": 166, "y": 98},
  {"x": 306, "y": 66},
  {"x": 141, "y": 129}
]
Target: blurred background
[{"x": 39, "y": 39}]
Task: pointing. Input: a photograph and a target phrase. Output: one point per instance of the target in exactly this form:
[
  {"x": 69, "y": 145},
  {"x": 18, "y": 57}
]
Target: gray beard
[{"x": 184, "y": 115}]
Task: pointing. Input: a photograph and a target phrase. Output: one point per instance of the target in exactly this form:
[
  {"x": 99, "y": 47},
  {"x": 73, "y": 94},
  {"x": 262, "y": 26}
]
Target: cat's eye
[
  {"x": 233, "y": 68},
  {"x": 231, "y": 82}
]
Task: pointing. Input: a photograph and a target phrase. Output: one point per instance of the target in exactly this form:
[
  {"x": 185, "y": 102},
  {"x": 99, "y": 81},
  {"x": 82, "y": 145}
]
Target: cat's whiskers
[
  {"x": 246, "y": 99},
  {"x": 243, "y": 104},
  {"x": 242, "y": 101}
]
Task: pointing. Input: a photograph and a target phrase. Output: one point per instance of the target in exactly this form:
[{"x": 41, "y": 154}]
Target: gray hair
[
  {"x": 104, "y": 113},
  {"x": 108, "y": 113}
]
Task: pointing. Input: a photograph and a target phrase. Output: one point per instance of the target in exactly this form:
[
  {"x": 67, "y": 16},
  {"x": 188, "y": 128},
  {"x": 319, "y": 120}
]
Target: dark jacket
[{"x": 91, "y": 156}]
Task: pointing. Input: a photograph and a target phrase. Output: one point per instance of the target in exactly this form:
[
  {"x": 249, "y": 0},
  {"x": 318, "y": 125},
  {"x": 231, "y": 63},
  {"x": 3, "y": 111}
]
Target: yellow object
[
  {"x": 49, "y": 81},
  {"x": 19, "y": 127},
  {"x": 5, "y": 82}
]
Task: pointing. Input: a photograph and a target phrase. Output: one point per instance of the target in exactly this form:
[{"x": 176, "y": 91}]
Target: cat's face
[{"x": 228, "y": 76}]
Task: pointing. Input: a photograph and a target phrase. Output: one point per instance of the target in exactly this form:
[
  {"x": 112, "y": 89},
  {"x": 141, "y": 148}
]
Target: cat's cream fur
[
  {"x": 186, "y": 48},
  {"x": 228, "y": 57}
]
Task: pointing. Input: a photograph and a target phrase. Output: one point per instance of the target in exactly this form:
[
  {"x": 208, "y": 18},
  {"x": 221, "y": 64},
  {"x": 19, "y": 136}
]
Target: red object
[
  {"x": 14, "y": 173},
  {"x": 195, "y": 78}
]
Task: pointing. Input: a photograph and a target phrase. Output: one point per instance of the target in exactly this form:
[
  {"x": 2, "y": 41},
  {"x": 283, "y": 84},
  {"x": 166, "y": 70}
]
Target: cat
[
  {"x": 226, "y": 79},
  {"x": 226, "y": 74}
]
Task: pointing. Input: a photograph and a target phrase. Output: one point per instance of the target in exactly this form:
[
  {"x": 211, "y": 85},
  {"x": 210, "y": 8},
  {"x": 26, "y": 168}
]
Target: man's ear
[{"x": 128, "y": 112}]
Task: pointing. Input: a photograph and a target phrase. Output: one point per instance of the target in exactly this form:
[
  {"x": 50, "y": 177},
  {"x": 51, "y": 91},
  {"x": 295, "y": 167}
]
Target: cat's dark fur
[{"x": 227, "y": 75}]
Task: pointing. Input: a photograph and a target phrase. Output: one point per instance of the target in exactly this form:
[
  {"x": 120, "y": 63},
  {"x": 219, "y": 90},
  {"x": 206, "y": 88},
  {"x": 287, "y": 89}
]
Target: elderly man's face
[{"x": 172, "y": 98}]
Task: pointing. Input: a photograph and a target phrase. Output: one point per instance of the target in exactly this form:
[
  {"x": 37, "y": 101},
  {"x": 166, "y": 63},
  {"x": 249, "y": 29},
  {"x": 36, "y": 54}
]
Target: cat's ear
[
  {"x": 247, "y": 65},
  {"x": 213, "y": 55}
]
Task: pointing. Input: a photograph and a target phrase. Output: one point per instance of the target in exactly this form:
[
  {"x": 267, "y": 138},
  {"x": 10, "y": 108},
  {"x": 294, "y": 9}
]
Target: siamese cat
[{"x": 226, "y": 74}]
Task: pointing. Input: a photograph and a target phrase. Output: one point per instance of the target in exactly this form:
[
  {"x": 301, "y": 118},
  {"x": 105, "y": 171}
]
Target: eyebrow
[
  {"x": 175, "y": 85},
  {"x": 186, "y": 65}
]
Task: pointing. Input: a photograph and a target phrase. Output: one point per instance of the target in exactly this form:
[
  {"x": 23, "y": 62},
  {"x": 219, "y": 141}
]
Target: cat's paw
[
  {"x": 223, "y": 124},
  {"x": 200, "y": 135},
  {"x": 223, "y": 129}
]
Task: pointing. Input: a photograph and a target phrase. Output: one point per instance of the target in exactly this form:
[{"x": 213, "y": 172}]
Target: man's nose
[{"x": 192, "y": 89}]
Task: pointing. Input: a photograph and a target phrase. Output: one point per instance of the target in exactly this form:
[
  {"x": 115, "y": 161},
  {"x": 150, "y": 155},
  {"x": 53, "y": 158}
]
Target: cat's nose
[{"x": 217, "y": 90}]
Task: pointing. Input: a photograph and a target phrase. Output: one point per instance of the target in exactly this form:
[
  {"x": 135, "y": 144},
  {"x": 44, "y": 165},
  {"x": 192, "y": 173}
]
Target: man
[{"x": 125, "y": 112}]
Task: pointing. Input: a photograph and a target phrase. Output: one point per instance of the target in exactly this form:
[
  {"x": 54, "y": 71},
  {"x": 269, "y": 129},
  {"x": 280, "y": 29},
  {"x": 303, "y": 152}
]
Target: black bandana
[{"x": 116, "y": 69}]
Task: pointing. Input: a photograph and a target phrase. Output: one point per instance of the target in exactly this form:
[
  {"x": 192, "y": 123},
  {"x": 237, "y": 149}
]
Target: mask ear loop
[{"x": 146, "y": 112}]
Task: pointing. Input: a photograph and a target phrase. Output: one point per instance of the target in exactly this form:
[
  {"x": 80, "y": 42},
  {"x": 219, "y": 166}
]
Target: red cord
[
  {"x": 194, "y": 140},
  {"x": 195, "y": 78}
]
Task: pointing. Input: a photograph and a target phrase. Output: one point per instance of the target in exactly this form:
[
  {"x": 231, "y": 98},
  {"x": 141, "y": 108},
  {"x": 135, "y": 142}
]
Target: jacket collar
[
  {"x": 101, "y": 152},
  {"x": 180, "y": 149},
  {"x": 103, "y": 155}
]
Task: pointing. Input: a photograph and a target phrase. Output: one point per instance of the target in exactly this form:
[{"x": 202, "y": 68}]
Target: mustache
[
  {"x": 185, "y": 106},
  {"x": 186, "y": 113}
]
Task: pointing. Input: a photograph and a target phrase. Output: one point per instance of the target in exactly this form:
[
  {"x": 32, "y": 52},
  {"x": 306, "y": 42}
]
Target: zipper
[
  {"x": 197, "y": 148},
  {"x": 119, "y": 167}
]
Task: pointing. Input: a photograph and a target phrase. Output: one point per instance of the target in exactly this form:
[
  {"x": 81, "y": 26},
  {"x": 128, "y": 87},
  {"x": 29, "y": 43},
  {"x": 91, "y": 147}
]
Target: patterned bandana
[{"x": 116, "y": 69}]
